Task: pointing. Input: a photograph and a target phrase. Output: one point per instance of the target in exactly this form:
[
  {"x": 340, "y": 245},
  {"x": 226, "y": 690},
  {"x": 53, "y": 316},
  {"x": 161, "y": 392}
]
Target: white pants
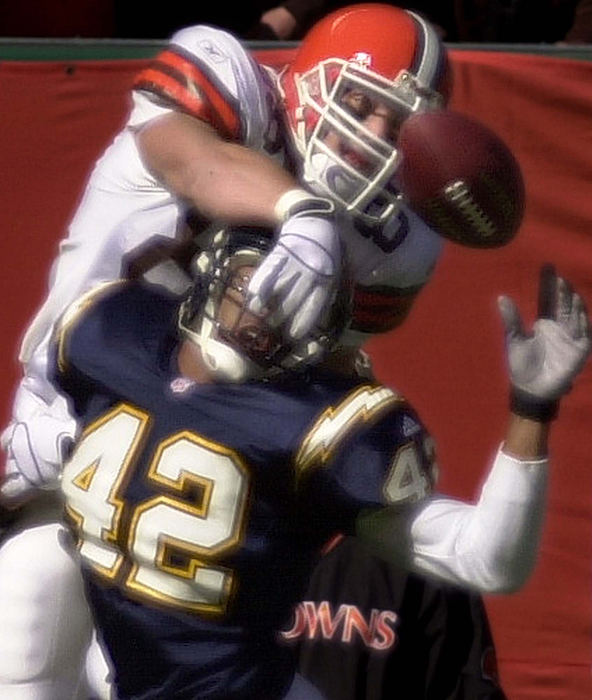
[{"x": 45, "y": 622}]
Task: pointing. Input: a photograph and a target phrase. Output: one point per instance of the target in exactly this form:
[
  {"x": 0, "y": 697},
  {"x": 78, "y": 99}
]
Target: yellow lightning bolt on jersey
[{"x": 361, "y": 406}]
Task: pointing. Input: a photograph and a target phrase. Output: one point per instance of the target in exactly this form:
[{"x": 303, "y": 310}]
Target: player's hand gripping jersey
[{"x": 208, "y": 503}]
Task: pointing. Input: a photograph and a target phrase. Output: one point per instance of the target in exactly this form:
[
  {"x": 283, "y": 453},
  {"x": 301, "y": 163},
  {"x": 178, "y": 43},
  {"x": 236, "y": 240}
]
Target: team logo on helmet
[
  {"x": 362, "y": 59},
  {"x": 341, "y": 70}
]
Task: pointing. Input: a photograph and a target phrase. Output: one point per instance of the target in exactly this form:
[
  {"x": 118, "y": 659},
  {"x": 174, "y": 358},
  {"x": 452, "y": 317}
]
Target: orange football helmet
[{"x": 352, "y": 60}]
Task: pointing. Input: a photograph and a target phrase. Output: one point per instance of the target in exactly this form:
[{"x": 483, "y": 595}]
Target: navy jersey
[
  {"x": 199, "y": 508},
  {"x": 367, "y": 630}
]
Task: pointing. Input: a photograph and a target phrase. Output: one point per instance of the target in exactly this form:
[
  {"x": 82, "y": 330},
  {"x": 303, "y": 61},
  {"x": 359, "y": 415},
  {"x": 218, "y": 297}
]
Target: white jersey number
[
  {"x": 172, "y": 539},
  {"x": 408, "y": 480}
]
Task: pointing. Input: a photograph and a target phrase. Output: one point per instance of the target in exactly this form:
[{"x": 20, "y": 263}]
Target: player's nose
[{"x": 379, "y": 124}]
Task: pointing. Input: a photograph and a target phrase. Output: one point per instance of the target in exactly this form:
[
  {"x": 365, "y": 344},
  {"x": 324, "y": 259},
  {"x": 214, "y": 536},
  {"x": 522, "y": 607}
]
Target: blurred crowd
[{"x": 494, "y": 21}]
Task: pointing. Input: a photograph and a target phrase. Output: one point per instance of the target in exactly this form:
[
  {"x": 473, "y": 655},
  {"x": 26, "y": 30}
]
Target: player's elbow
[
  {"x": 504, "y": 573},
  {"x": 503, "y": 584}
]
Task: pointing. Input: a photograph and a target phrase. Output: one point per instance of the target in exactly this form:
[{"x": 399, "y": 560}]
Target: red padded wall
[{"x": 58, "y": 116}]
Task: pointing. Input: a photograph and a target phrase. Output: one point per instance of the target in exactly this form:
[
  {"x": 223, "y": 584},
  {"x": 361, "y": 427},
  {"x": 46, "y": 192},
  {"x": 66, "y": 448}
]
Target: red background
[{"x": 58, "y": 116}]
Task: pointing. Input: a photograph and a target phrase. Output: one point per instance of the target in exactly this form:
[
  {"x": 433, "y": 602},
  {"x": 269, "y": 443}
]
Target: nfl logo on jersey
[{"x": 181, "y": 384}]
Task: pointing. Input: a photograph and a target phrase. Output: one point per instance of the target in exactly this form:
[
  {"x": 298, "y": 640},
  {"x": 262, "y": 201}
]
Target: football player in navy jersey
[{"x": 216, "y": 459}]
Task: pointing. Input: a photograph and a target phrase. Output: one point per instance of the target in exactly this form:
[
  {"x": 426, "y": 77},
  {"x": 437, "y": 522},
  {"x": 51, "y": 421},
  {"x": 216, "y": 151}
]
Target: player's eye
[{"x": 357, "y": 104}]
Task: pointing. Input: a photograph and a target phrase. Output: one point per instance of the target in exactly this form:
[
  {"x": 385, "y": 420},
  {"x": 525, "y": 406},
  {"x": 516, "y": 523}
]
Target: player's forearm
[
  {"x": 239, "y": 185},
  {"x": 526, "y": 438},
  {"x": 224, "y": 180},
  {"x": 490, "y": 546}
]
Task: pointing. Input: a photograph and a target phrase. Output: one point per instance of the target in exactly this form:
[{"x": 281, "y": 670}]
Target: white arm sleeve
[{"x": 490, "y": 546}]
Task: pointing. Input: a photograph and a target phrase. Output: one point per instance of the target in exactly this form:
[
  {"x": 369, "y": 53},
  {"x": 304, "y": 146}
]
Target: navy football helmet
[{"x": 240, "y": 345}]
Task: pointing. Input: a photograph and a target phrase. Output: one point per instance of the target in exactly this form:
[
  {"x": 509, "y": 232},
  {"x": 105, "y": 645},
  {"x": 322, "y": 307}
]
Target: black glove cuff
[{"x": 529, "y": 406}]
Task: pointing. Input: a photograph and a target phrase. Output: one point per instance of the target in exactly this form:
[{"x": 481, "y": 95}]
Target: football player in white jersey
[{"x": 212, "y": 130}]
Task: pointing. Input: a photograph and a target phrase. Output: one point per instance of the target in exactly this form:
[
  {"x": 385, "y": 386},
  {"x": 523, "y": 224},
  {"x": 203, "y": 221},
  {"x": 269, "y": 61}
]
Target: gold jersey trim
[{"x": 73, "y": 314}]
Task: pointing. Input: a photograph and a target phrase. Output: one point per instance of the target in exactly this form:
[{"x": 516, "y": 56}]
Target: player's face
[
  {"x": 381, "y": 120},
  {"x": 237, "y": 323}
]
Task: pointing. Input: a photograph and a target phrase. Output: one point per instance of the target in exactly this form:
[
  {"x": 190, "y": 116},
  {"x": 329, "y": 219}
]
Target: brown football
[{"x": 461, "y": 178}]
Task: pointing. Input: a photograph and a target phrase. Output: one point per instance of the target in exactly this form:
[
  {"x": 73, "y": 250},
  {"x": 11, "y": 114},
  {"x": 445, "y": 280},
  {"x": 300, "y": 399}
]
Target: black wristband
[{"x": 529, "y": 406}]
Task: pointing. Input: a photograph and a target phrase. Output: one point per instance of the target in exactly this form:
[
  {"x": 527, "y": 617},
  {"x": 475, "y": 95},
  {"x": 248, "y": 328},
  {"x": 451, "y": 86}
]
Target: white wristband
[{"x": 299, "y": 202}]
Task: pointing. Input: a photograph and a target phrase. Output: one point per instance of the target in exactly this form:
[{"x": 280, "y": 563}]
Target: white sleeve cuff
[{"x": 514, "y": 480}]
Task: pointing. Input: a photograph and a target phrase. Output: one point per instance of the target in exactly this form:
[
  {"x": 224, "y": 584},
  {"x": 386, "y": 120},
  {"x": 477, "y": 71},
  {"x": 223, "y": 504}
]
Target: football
[{"x": 461, "y": 178}]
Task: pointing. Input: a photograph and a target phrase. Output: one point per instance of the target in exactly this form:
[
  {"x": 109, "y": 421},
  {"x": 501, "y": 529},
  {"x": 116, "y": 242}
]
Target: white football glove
[
  {"x": 35, "y": 450},
  {"x": 544, "y": 363},
  {"x": 298, "y": 275}
]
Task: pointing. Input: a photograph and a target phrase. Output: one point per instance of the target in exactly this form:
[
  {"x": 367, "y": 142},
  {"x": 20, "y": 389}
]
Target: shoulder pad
[
  {"x": 366, "y": 403},
  {"x": 75, "y": 312}
]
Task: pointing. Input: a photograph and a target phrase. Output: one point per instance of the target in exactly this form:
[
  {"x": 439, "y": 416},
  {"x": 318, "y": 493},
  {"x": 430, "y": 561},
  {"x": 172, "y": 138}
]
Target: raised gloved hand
[
  {"x": 544, "y": 363},
  {"x": 35, "y": 450},
  {"x": 298, "y": 275}
]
